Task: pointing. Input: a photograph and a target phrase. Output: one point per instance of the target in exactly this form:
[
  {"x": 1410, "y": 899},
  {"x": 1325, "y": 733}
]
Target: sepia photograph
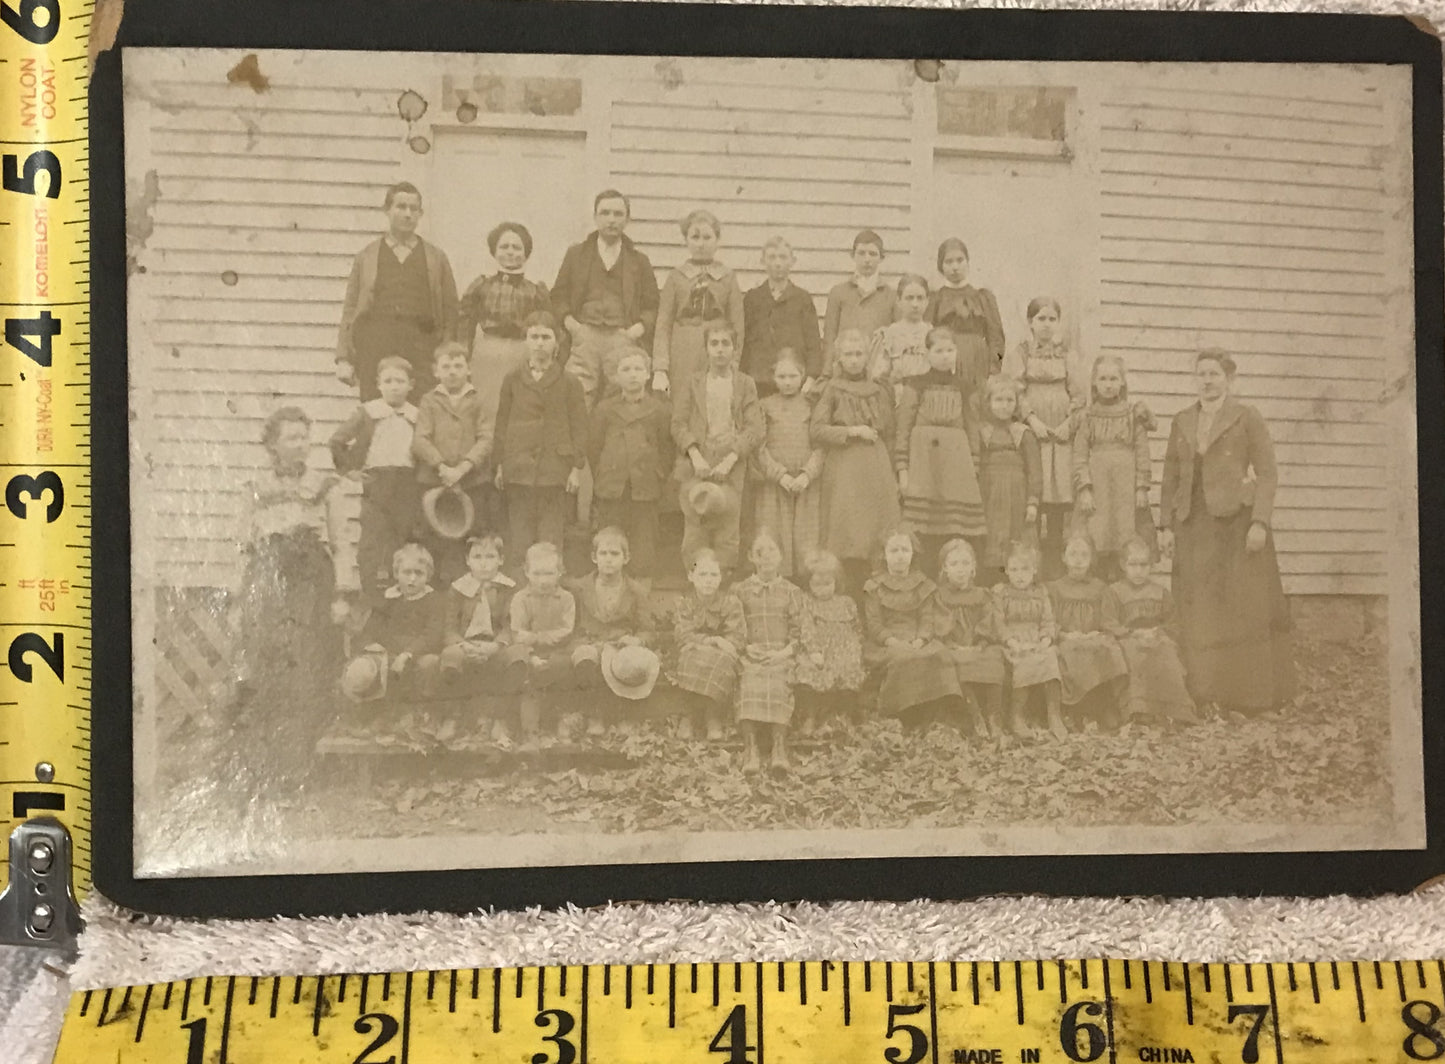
[{"x": 547, "y": 460}]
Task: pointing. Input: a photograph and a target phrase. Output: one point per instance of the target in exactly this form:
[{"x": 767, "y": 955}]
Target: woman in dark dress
[{"x": 1216, "y": 506}]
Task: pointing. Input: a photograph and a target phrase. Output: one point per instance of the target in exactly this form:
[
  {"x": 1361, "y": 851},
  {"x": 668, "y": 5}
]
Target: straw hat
[
  {"x": 630, "y": 672},
  {"x": 706, "y": 498},
  {"x": 449, "y": 512},
  {"x": 364, "y": 678}
]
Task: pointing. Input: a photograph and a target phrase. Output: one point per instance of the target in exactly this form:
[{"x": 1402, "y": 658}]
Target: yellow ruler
[
  {"x": 45, "y": 515},
  {"x": 789, "y": 1013}
]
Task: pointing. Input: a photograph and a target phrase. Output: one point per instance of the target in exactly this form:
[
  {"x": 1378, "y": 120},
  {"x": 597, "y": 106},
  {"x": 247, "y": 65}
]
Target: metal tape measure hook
[{"x": 38, "y": 908}]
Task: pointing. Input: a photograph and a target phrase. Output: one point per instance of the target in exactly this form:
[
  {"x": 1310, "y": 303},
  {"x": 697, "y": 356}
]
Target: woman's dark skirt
[
  {"x": 291, "y": 653},
  {"x": 1234, "y": 621}
]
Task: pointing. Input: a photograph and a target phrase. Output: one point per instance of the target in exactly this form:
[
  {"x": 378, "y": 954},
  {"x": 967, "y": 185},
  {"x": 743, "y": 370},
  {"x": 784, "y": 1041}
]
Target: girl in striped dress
[
  {"x": 709, "y": 628},
  {"x": 775, "y": 620},
  {"x": 1090, "y": 661},
  {"x": 1054, "y": 380},
  {"x": 936, "y": 476},
  {"x": 787, "y": 467},
  {"x": 899, "y": 350},
  {"x": 1112, "y": 471}
]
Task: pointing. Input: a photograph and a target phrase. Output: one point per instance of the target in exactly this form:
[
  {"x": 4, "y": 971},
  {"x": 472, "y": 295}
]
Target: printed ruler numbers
[
  {"x": 45, "y": 516},
  {"x": 1049, "y": 1012}
]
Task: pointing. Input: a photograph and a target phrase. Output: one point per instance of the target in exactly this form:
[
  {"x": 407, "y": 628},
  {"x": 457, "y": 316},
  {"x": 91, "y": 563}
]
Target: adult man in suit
[
  {"x": 401, "y": 299},
  {"x": 606, "y": 295}
]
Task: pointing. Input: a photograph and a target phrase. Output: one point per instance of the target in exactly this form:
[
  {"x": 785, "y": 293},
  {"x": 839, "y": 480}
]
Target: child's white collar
[
  {"x": 394, "y": 592},
  {"x": 379, "y": 408}
]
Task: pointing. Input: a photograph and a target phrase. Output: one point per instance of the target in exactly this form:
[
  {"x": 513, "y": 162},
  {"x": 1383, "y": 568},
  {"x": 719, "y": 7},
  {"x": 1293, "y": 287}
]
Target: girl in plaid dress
[
  {"x": 776, "y": 620},
  {"x": 787, "y": 467},
  {"x": 830, "y": 668},
  {"x": 1024, "y": 619},
  {"x": 710, "y": 634},
  {"x": 961, "y": 615}
]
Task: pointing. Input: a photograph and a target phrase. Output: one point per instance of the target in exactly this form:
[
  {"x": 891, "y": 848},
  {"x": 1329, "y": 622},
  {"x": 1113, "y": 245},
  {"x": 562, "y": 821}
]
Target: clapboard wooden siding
[
  {"x": 1265, "y": 222},
  {"x": 812, "y": 154},
  {"x": 1259, "y": 224},
  {"x": 264, "y": 199}
]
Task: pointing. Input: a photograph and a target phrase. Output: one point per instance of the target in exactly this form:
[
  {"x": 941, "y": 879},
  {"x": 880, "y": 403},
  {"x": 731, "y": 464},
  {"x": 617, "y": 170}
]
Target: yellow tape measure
[
  {"x": 786, "y": 1013},
  {"x": 45, "y": 517}
]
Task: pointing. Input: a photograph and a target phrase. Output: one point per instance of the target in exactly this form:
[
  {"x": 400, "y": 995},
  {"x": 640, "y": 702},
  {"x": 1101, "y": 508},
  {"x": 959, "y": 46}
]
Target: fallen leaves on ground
[{"x": 1323, "y": 760}]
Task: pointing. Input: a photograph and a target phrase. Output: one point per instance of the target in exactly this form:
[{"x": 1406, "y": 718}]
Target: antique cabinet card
[{"x": 1094, "y": 377}]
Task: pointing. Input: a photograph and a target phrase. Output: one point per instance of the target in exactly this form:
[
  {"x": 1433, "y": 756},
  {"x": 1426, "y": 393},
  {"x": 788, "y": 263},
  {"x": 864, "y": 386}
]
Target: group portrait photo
[{"x": 548, "y": 459}]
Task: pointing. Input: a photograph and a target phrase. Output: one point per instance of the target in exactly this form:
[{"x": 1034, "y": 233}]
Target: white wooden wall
[
  {"x": 1217, "y": 208},
  {"x": 1267, "y": 219}
]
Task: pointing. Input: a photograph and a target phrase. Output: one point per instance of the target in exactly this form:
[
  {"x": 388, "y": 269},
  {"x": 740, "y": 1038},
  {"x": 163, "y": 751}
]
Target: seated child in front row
[
  {"x": 776, "y": 622},
  {"x": 1024, "y": 617},
  {"x": 1091, "y": 665},
  {"x": 475, "y": 649},
  {"x": 961, "y": 615},
  {"x": 710, "y": 635},
  {"x": 1138, "y": 610},
  {"x": 901, "y": 641},
  {"x": 830, "y": 668},
  {"x": 543, "y": 616},
  {"x": 611, "y": 611},
  {"x": 401, "y": 639}
]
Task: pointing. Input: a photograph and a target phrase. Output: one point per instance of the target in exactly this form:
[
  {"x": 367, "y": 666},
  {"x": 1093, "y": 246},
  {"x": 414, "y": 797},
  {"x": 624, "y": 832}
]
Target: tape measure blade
[{"x": 45, "y": 444}]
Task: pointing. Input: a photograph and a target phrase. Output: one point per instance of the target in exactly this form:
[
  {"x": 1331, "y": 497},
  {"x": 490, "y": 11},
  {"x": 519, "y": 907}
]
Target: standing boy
[
  {"x": 541, "y": 441},
  {"x": 452, "y": 442},
  {"x": 862, "y": 302},
  {"x": 630, "y": 454},
  {"x": 401, "y": 299},
  {"x": 374, "y": 446},
  {"x": 779, "y": 315},
  {"x": 606, "y": 295}
]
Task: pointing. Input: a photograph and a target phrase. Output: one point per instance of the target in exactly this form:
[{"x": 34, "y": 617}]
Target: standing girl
[
  {"x": 961, "y": 615},
  {"x": 1009, "y": 476},
  {"x": 700, "y": 292},
  {"x": 899, "y": 350},
  {"x": 853, "y": 423},
  {"x": 1112, "y": 471},
  {"x": 787, "y": 466},
  {"x": 1024, "y": 617},
  {"x": 901, "y": 639},
  {"x": 1089, "y": 659},
  {"x": 972, "y": 314},
  {"x": 936, "y": 475},
  {"x": 776, "y": 625},
  {"x": 831, "y": 666},
  {"x": 1054, "y": 383}
]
